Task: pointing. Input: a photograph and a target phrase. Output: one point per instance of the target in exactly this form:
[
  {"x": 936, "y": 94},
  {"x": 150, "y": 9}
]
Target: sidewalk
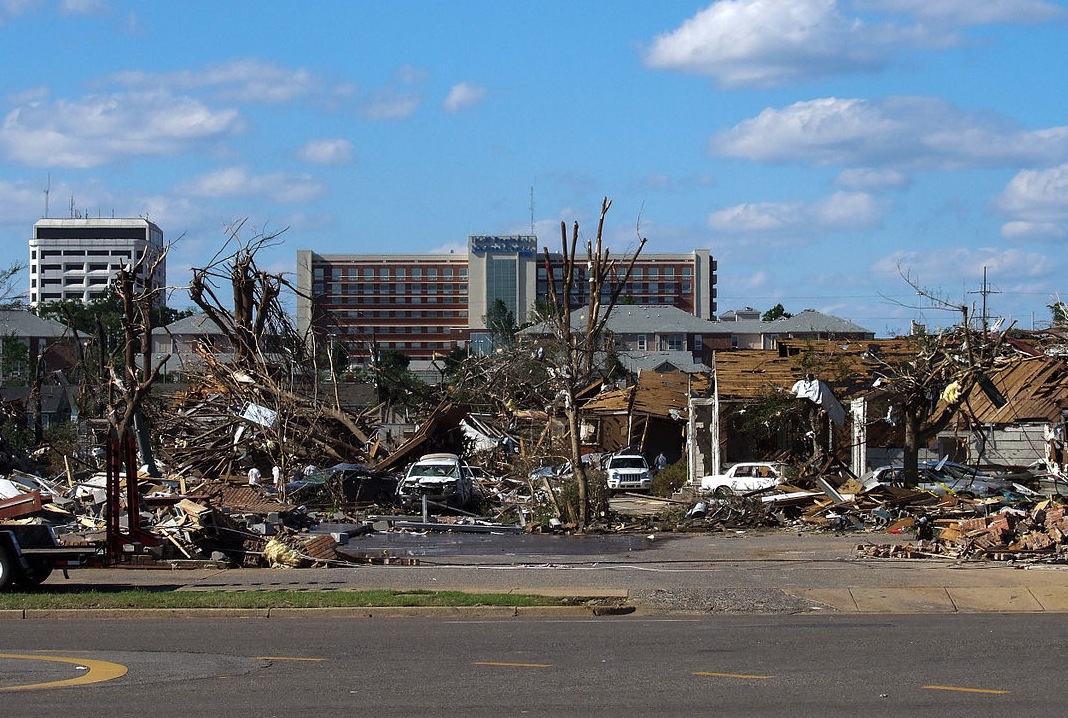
[{"x": 742, "y": 572}]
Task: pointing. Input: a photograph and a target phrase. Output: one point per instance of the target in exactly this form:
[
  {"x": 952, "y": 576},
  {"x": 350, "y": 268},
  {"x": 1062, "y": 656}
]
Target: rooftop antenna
[
  {"x": 531, "y": 210},
  {"x": 48, "y": 188}
]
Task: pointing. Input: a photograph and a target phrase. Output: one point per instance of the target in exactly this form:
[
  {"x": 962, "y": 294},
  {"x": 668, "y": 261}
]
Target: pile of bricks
[{"x": 1039, "y": 533}]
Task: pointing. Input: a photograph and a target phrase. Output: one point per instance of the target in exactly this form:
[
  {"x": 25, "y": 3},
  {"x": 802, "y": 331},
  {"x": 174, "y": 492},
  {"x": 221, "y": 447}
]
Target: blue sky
[{"x": 820, "y": 149}]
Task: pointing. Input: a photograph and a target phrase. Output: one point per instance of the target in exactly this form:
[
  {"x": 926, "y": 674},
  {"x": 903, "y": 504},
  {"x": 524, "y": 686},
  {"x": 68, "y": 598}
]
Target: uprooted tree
[
  {"x": 263, "y": 406},
  {"x": 573, "y": 355}
]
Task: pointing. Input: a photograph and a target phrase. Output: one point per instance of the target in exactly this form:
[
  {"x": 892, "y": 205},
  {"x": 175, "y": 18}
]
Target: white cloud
[
  {"x": 970, "y": 12},
  {"x": 769, "y": 42},
  {"x": 102, "y": 128},
  {"x": 19, "y": 200},
  {"x": 327, "y": 152},
  {"x": 893, "y": 131},
  {"x": 464, "y": 95},
  {"x": 390, "y": 105},
  {"x": 937, "y": 264},
  {"x": 1037, "y": 202},
  {"x": 83, "y": 7},
  {"x": 237, "y": 182},
  {"x": 240, "y": 80},
  {"x": 14, "y": 8},
  {"x": 871, "y": 179},
  {"x": 410, "y": 74},
  {"x": 839, "y": 211}
]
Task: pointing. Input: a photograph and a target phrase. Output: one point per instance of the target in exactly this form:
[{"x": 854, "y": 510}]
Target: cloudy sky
[{"x": 823, "y": 150}]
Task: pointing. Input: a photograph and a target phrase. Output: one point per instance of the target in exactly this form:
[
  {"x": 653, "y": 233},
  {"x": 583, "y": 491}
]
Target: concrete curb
[
  {"x": 447, "y": 612},
  {"x": 933, "y": 600}
]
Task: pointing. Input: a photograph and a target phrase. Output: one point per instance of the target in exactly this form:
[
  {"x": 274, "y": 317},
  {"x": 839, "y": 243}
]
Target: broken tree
[{"x": 576, "y": 346}]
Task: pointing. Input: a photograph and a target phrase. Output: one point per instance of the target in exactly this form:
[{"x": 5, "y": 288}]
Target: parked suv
[{"x": 628, "y": 471}]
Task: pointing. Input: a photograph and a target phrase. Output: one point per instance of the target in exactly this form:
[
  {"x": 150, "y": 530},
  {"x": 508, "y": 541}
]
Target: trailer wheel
[
  {"x": 7, "y": 568},
  {"x": 35, "y": 574}
]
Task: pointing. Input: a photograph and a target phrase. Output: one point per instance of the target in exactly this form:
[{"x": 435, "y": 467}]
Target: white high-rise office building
[{"x": 78, "y": 258}]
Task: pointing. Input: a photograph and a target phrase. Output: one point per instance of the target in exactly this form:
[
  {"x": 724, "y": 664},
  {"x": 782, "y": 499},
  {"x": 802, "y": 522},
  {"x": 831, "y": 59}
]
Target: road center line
[
  {"x": 286, "y": 658},
  {"x": 513, "y": 665},
  {"x": 966, "y": 690},
  {"x": 98, "y": 671},
  {"x": 731, "y": 675}
]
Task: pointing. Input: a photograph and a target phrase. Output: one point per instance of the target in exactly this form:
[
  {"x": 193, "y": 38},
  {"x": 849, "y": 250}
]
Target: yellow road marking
[
  {"x": 731, "y": 675},
  {"x": 966, "y": 690},
  {"x": 514, "y": 665},
  {"x": 98, "y": 671},
  {"x": 285, "y": 658}
]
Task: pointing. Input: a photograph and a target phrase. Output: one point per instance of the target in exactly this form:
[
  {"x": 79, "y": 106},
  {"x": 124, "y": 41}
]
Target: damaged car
[
  {"x": 351, "y": 483},
  {"x": 444, "y": 479}
]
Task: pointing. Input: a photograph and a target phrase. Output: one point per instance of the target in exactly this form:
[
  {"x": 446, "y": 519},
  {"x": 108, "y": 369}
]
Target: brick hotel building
[{"x": 428, "y": 304}]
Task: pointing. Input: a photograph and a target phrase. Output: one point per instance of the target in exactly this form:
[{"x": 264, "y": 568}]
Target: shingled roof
[
  {"x": 849, "y": 367},
  {"x": 24, "y": 323},
  {"x": 807, "y": 322}
]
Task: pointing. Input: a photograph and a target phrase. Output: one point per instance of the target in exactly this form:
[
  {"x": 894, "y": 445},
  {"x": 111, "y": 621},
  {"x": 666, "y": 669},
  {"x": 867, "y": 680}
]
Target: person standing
[
  {"x": 661, "y": 462},
  {"x": 276, "y": 476}
]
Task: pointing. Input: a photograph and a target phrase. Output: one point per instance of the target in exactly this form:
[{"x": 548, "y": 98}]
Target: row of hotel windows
[
  {"x": 632, "y": 286},
  {"x": 637, "y": 273},
  {"x": 405, "y": 313},
  {"x": 393, "y": 299},
  {"x": 355, "y": 352},
  {"x": 390, "y": 288},
  {"x": 380, "y": 329},
  {"x": 416, "y": 273}
]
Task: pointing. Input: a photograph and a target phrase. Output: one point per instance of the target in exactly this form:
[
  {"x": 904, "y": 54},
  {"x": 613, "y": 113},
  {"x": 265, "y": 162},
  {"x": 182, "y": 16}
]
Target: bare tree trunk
[
  {"x": 910, "y": 458},
  {"x": 578, "y": 349}
]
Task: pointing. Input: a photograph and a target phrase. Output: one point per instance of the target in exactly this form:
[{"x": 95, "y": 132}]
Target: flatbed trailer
[{"x": 30, "y": 552}]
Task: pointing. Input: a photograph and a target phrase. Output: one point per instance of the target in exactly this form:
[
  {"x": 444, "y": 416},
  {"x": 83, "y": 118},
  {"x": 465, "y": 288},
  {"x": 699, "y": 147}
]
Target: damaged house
[
  {"x": 753, "y": 391},
  {"x": 1018, "y": 420}
]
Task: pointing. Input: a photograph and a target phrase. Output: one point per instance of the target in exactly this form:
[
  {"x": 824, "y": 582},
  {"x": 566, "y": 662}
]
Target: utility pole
[{"x": 986, "y": 290}]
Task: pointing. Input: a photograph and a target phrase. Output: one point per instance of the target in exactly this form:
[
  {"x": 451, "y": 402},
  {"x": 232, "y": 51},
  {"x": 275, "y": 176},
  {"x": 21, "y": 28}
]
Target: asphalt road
[{"x": 957, "y": 665}]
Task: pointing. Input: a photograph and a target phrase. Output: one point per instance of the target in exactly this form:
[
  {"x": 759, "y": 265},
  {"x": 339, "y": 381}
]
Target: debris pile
[
  {"x": 1038, "y": 533},
  {"x": 235, "y": 417}
]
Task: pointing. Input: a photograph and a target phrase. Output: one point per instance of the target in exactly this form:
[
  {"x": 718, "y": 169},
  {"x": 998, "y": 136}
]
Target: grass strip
[{"x": 268, "y": 599}]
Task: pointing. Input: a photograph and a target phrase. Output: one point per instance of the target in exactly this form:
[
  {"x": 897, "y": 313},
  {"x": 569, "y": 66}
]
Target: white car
[
  {"x": 743, "y": 478},
  {"x": 628, "y": 471}
]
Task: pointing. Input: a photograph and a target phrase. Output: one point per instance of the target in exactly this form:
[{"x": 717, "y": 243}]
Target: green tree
[
  {"x": 14, "y": 361},
  {"x": 1058, "y": 314},
  {"x": 500, "y": 321},
  {"x": 776, "y": 312}
]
